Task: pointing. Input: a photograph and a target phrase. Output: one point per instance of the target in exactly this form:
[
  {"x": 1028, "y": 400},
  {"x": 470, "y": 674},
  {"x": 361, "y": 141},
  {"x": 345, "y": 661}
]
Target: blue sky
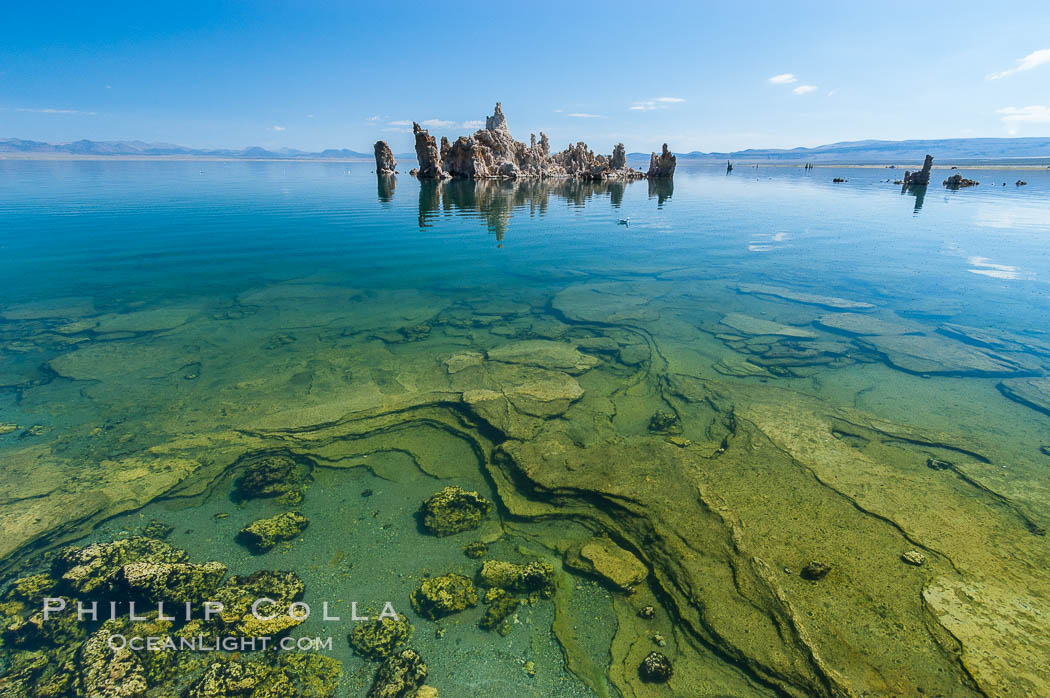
[{"x": 701, "y": 76}]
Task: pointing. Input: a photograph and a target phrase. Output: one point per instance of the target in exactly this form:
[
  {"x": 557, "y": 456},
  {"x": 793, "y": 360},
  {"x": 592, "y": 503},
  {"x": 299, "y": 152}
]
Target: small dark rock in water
[
  {"x": 646, "y": 612},
  {"x": 476, "y": 551},
  {"x": 839, "y": 180},
  {"x": 1045, "y": 450},
  {"x": 815, "y": 571},
  {"x": 367, "y": 493},
  {"x": 656, "y": 668},
  {"x": 1020, "y": 183},
  {"x": 914, "y": 557},
  {"x": 934, "y": 464},
  {"x": 957, "y": 181},
  {"x": 665, "y": 423},
  {"x": 157, "y": 529}
]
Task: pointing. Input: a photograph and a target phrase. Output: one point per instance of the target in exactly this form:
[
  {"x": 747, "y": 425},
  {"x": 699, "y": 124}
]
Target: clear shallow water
[{"x": 162, "y": 318}]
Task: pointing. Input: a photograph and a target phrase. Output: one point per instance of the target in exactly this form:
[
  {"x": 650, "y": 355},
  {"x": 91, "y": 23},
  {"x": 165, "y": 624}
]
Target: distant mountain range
[
  {"x": 862, "y": 152},
  {"x": 17, "y": 145},
  {"x": 852, "y": 152}
]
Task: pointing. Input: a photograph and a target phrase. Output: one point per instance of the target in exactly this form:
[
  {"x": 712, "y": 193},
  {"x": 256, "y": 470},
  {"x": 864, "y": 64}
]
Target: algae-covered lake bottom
[{"x": 753, "y": 409}]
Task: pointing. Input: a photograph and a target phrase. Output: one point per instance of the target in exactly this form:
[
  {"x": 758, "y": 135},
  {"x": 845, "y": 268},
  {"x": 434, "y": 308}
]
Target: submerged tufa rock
[
  {"x": 656, "y": 668},
  {"x": 385, "y": 163},
  {"x": 400, "y": 676},
  {"x": 454, "y": 510},
  {"x": 442, "y": 596},
  {"x": 380, "y": 637},
  {"x": 272, "y": 475},
  {"x": 957, "y": 181},
  {"x": 261, "y": 535},
  {"x": 534, "y": 577}
]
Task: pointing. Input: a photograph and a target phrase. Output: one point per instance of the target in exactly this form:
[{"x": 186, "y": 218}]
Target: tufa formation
[{"x": 492, "y": 153}]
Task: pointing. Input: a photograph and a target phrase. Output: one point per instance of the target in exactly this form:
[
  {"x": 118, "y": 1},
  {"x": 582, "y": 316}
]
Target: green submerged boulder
[
  {"x": 531, "y": 578},
  {"x": 442, "y": 596},
  {"x": 380, "y": 637},
  {"x": 272, "y": 475},
  {"x": 94, "y": 567},
  {"x": 165, "y": 581},
  {"x": 501, "y": 605},
  {"x": 400, "y": 676},
  {"x": 238, "y": 594},
  {"x": 454, "y": 510},
  {"x": 261, "y": 535}
]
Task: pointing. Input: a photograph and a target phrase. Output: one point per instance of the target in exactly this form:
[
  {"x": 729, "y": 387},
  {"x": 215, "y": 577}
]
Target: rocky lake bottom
[{"x": 790, "y": 436}]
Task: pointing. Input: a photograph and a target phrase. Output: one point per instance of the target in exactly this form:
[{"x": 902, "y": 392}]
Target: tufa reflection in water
[
  {"x": 496, "y": 201},
  {"x": 916, "y": 190}
]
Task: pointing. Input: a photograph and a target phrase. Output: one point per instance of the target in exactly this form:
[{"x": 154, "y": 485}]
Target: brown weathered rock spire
[
  {"x": 427, "y": 154},
  {"x": 920, "y": 178},
  {"x": 661, "y": 165},
  {"x": 385, "y": 163}
]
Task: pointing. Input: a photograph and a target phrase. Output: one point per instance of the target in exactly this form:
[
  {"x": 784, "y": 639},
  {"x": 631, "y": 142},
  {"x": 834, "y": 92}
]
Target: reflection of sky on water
[{"x": 985, "y": 267}]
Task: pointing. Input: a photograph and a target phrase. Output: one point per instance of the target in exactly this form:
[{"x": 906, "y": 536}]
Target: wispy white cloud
[
  {"x": 476, "y": 124},
  {"x": 397, "y": 129},
  {"x": 374, "y": 117},
  {"x": 783, "y": 79},
  {"x": 1032, "y": 60},
  {"x": 1013, "y": 117},
  {"x": 402, "y": 122},
  {"x": 832, "y": 93},
  {"x": 437, "y": 123},
  {"x": 277, "y": 128},
  {"x": 558, "y": 111},
  {"x": 584, "y": 115},
  {"x": 55, "y": 111},
  {"x": 654, "y": 103},
  {"x": 804, "y": 89}
]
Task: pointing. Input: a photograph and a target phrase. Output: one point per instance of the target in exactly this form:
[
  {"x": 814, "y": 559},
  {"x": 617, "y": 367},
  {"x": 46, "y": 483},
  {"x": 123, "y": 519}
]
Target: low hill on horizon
[
  {"x": 851, "y": 152},
  {"x": 874, "y": 151}
]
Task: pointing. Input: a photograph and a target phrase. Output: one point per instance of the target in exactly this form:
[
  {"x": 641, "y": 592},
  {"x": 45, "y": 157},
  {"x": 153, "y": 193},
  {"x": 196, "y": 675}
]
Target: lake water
[{"x": 759, "y": 371}]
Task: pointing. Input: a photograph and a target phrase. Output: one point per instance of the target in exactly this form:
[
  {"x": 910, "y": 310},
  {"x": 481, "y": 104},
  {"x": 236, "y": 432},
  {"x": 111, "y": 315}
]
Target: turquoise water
[{"x": 160, "y": 319}]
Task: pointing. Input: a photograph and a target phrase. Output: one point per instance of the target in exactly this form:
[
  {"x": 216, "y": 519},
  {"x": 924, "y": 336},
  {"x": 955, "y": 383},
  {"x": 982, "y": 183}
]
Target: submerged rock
[
  {"x": 647, "y": 613},
  {"x": 656, "y": 668},
  {"x": 180, "y": 582},
  {"x": 95, "y": 566},
  {"x": 914, "y": 557},
  {"x": 534, "y": 577},
  {"x": 1031, "y": 392},
  {"x": 238, "y": 594},
  {"x": 261, "y": 535},
  {"x": 475, "y": 551},
  {"x": 600, "y": 557},
  {"x": 380, "y": 637},
  {"x": 400, "y": 676},
  {"x": 272, "y": 475},
  {"x": 665, "y": 423},
  {"x": 385, "y": 163},
  {"x": 815, "y": 571},
  {"x": 442, "y": 596},
  {"x": 501, "y": 606},
  {"x": 454, "y": 510}
]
